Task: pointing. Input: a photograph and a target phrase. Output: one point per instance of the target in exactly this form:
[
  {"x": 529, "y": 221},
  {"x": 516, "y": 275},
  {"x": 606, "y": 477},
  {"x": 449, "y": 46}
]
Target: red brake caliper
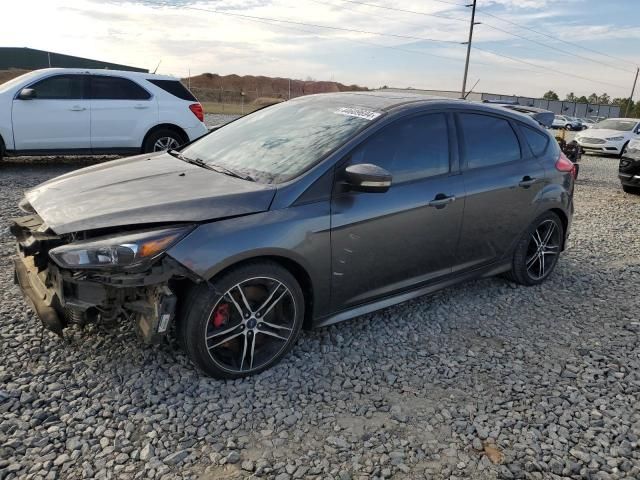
[{"x": 221, "y": 315}]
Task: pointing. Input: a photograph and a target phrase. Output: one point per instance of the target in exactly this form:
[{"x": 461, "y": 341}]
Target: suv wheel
[
  {"x": 162, "y": 140},
  {"x": 243, "y": 322},
  {"x": 537, "y": 251}
]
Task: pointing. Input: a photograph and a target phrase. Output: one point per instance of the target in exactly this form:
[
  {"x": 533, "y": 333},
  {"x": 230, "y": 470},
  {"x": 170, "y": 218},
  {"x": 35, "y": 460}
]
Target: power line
[
  {"x": 555, "y": 49},
  {"x": 494, "y": 27},
  {"x": 546, "y": 68},
  {"x": 292, "y": 22},
  {"x": 409, "y": 11},
  {"x": 484, "y": 12}
]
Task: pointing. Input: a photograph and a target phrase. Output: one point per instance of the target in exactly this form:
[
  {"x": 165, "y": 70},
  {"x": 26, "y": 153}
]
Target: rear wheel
[
  {"x": 629, "y": 189},
  {"x": 162, "y": 140},
  {"x": 244, "y": 322},
  {"x": 537, "y": 252}
]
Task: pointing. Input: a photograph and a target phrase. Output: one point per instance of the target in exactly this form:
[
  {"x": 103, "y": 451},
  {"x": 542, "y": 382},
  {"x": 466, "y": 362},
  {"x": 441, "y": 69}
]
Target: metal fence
[{"x": 572, "y": 109}]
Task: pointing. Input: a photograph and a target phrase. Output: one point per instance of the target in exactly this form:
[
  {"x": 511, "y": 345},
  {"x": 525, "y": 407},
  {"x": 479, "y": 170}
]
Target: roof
[
  {"x": 32, "y": 59},
  {"x": 106, "y": 71},
  {"x": 377, "y": 100}
]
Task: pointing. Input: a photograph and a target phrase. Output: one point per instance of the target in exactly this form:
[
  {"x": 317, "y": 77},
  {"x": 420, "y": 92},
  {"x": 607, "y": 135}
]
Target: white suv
[{"x": 78, "y": 111}]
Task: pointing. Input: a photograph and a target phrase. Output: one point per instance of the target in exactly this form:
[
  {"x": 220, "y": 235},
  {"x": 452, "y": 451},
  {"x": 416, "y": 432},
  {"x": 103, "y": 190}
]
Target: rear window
[
  {"x": 175, "y": 88},
  {"x": 116, "y": 88},
  {"x": 538, "y": 141},
  {"x": 488, "y": 140}
]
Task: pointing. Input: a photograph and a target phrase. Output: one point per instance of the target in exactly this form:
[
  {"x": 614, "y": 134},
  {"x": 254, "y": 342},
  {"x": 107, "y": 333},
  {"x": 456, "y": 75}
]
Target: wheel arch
[
  {"x": 295, "y": 268},
  {"x": 161, "y": 126},
  {"x": 565, "y": 223}
]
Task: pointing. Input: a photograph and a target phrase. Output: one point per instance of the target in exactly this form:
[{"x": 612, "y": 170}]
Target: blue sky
[{"x": 188, "y": 36}]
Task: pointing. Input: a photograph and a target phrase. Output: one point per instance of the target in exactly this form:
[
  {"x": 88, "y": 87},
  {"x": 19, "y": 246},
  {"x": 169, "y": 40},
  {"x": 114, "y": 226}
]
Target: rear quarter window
[
  {"x": 538, "y": 141},
  {"x": 175, "y": 88},
  {"x": 487, "y": 140}
]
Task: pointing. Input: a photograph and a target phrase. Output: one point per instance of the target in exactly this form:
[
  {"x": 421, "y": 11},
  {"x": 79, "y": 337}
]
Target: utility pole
[
  {"x": 633, "y": 90},
  {"x": 466, "y": 64}
]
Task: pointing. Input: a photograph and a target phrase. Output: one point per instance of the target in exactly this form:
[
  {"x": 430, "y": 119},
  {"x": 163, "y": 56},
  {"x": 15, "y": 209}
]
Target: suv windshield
[
  {"x": 613, "y": 124},
  {"x": 282, "y": 141}
]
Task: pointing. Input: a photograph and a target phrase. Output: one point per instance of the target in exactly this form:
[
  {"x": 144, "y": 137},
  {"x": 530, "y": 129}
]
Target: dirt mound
[
  {"x": 211, "y": 87},
  {"x": 6, "y": 75}
]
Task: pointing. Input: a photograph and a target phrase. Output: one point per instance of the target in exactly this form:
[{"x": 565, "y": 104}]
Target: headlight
[
  {"x": 614, "y": 139},
  {"x": 119, "y": 251}
]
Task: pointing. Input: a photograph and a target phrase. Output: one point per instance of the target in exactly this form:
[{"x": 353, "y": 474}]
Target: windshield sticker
[{"x": 358, "y": 112}]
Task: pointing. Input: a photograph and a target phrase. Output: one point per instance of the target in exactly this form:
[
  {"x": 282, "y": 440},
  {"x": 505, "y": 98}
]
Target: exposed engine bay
[{"x": 144, "y": 294}]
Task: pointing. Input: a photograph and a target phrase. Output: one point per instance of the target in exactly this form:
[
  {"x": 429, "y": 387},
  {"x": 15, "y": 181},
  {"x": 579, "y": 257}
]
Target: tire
[
  {"x": 164, "y": 136},
  {"x": 527, "y": 270},
  {"x": 225, "y": 344},
  {"x": 632, "y": 190}
]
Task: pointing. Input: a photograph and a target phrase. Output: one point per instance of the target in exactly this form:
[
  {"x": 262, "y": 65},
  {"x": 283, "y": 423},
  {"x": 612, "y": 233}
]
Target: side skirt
[{"x": 343, "y": 315}]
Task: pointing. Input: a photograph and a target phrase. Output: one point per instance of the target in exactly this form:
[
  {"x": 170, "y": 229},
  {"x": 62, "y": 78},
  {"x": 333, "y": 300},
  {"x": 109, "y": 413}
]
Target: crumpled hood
[
  {"x": 602, "y": 133},
  {"x": 149, "y": 188}
]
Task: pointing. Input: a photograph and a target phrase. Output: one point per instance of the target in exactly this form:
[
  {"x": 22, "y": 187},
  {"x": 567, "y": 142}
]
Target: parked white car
[
  {"x": 609, "y": 136},
  {"x": 79, "y": 111},
  {"x": 588, "y": 122},
  {"x": 562, "y": 121}
]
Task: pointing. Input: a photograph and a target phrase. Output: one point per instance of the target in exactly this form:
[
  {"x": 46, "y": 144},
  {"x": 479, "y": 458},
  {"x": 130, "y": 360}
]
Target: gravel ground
[
  {"x": 212, "y": 119},
  {"x": 486, "y": 380}
]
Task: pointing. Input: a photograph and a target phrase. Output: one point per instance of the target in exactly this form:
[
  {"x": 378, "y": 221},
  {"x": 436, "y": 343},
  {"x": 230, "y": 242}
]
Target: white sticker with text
[{"x": 357, "y": 112}]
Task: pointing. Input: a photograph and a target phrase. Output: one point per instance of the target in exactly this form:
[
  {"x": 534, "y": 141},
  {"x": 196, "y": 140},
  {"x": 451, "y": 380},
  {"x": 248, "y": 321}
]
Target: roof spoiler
[{"x": 543, "y": 117}]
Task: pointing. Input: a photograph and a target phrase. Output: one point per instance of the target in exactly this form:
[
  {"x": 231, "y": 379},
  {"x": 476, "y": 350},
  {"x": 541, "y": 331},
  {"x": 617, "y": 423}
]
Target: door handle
[
  {"x": 441, "y": 200},
  {"x": 77, "y": 108},
  {"x": 527, "y": 181},
  {"x": 140, "y": 107}
]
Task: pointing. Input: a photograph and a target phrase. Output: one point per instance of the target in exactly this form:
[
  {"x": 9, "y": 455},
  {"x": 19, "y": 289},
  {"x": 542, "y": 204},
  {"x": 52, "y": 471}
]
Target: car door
[
  {"x": 384, "y": 243},
  {"x": 502, "y": 181},
  {"x": 122, "y": 112},
  {"x": 57, "y": 118}
]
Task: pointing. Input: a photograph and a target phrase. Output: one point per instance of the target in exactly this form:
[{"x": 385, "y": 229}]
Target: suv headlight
[
  {"x": 118, "y": 251},
  {"x": 614, "y": 139}
]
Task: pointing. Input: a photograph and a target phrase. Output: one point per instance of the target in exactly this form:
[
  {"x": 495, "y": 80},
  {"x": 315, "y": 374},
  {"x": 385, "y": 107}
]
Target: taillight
[
  {"x": 196, "y": 108},
  {"x": 565, "y": 165}
]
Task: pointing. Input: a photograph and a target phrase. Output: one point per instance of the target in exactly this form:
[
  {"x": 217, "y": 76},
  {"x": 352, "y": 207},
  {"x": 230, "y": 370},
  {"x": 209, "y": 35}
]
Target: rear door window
[
  {"x": 487, "y": 140},
  {"x": 60, "y": 87},
  {"x": 409, "y": 149},
  {"x": 175, "y": 88},
  {"x": 116, "y": 88},
  {"x": 538, "y": 141}
]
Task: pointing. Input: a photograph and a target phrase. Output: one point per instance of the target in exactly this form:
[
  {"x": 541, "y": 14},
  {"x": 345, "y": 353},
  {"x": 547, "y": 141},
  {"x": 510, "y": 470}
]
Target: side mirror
[
  {"x": 365, "y": 177},
  {"x": 27, "y": 94}
]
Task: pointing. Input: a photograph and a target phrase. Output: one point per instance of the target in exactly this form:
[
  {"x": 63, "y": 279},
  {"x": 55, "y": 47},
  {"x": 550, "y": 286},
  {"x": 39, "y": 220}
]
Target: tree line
[{"x": 603, "y": 99}]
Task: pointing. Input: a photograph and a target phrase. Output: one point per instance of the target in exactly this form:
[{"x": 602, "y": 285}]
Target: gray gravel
[{"x": 482, "y": 381}]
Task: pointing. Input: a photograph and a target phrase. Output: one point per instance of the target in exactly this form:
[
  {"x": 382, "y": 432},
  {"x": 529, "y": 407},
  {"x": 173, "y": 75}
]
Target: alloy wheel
[
  {"x": 165, "y": 143},
  {"x": 250, "y": 324},
  {"x": 543, "y": 249}
]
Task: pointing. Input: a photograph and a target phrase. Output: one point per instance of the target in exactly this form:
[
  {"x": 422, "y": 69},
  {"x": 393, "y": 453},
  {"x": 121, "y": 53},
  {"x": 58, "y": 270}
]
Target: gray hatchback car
[{"x": 299, "y": 215}]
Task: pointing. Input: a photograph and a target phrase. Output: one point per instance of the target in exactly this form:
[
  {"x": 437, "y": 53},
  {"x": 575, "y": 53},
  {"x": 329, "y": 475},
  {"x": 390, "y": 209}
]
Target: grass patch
[{"x": 228, "y": 108}]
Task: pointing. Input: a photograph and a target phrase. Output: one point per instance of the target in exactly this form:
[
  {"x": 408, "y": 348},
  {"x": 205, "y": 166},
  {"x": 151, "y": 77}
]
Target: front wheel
[
  {"x": 161, "y": 140},
  {"x": 537, "y": 252},
  {"x": 243, "y": 322}
]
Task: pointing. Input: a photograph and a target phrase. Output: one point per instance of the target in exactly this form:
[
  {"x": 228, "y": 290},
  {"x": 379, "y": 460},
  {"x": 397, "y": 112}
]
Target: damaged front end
[{"x": 80, "y": 278}]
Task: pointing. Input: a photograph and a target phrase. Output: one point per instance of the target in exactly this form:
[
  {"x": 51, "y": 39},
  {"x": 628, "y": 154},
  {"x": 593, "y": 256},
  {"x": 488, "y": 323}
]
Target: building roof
[{"x": 33, "y": 59}]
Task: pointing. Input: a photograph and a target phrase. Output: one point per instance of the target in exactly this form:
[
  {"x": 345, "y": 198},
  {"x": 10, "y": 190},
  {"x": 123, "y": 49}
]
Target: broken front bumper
[
  {"x": 43, "y": 300},
  {"x": 61, "y": 296}
]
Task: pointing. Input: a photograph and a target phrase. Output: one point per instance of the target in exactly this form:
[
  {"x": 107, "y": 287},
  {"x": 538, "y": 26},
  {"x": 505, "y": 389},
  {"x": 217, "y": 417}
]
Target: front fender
[{"x": 300, "y": 234}]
